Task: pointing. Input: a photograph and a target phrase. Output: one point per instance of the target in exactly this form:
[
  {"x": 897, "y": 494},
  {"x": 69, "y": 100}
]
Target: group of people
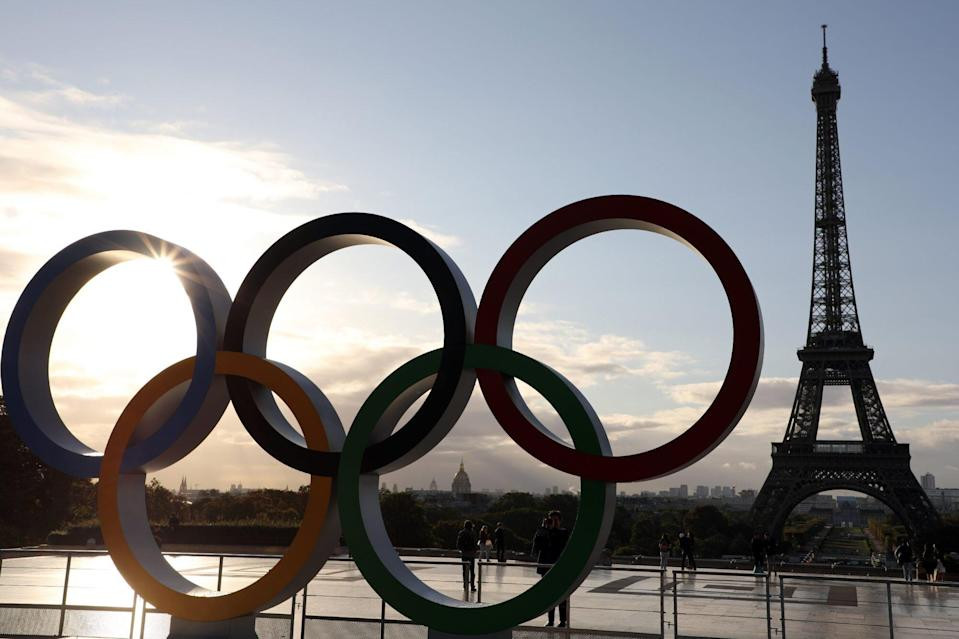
[
  {"x": 687, "y": 544},
  {"x": 762, "y": 548},
  {"x": 471, "y": 544},
  {"x": 548, "y": 543},
  {"x": 930, "y": 561}
]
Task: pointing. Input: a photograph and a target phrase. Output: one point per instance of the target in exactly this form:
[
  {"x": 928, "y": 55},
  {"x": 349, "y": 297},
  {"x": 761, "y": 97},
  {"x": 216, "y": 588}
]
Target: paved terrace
[{"x": 40, "y": 597}]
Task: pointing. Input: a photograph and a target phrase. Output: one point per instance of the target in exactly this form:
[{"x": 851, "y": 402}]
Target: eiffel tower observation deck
[{"x": 836, "y": 355}]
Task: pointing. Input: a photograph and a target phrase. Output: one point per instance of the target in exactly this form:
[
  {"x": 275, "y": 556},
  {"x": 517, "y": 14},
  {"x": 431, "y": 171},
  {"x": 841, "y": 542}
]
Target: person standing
[
  {"x": 664, "y": 546},
  {"x": 759, "y": 554},
  {"x": 929, "y": 562},
  {"x": 485, "y": 543},
  {"x": 906, "y": 559},
  {"x": 889, "y": 558},
  {"x": 499, "y": 540},
  {"x": 466, "y": 544},
  {"x": 769, "y": 553},
  {"x": 940, "y": 571},
  {"x": 686, "y": 548},
  {"x": 548, "y": 544}
]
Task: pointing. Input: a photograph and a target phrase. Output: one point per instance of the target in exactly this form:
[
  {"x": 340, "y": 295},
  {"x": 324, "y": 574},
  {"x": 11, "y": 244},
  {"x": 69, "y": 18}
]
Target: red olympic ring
[{"x": 515, "y": 271}]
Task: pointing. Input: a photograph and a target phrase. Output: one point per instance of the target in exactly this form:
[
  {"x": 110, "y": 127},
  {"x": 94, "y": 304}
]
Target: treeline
[
  {"x": 411, "y": 523},
  {"x": 34, "y": 498}
]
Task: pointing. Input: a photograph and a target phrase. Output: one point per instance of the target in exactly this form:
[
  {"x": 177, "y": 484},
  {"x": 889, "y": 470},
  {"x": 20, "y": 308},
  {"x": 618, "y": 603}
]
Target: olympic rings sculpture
[{"x": 179, "y": 407}]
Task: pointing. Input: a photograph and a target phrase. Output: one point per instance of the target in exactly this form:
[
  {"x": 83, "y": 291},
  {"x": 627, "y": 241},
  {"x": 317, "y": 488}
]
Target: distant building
[
  {"x": 716, "y": 492},
  {"x": 238, "y": 489},
  {"x": 461, "y": 483},
  {"x": 193, "y": 494},
  {"x": 674, "y": 491},
  {"x": 729, "y": 491},
  {"x": 684, "y": 491},
  {"x": 702, "y": 492},
  {"x": 945, "y": 499},
  {"x": 433, "y": 484},
  {"x": 818, "y": 503},
  {"x": 928, "y": 481}
]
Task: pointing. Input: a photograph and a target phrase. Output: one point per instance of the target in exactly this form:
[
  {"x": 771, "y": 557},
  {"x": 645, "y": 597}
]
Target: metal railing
[
  {"x": 137, "y": 603},
  {"x": 753, "y": 598},
  {"x": 779, "y": 589}
]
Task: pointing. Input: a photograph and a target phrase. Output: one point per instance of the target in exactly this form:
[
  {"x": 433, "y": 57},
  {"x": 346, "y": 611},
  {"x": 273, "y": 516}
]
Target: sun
[{"x": 125, "y": 326}]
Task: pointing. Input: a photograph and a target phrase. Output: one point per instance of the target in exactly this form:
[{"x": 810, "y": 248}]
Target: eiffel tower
[{"x": 835, "y": 355}]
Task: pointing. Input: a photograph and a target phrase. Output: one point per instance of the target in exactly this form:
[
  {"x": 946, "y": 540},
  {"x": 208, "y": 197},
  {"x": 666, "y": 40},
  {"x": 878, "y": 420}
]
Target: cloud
[
  {"x": 588, "y": 359},
  {"x": 918, "y": 393},
  {"x": 65, "y": 172},
  {"x": 114, "y": 166},
  {"x": 74, "y": 95},
  {"x": 772, "y": 392},
  {"x": 443, "y": 240},
  {"x": 940, "y": 434},
  {"x": 44, "y": 88}
]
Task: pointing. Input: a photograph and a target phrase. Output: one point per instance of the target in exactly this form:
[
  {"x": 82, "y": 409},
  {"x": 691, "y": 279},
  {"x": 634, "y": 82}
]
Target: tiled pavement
[{"x": 618, "y": 603}]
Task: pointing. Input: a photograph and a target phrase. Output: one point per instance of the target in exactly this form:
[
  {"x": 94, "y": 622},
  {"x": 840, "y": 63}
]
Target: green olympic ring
[{"x": 362, "y": 519}]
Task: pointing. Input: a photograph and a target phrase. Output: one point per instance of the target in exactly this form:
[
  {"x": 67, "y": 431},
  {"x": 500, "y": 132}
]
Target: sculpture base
[
  {"x": 436, "y": 634},
  {"x": 239, "y": 628}
]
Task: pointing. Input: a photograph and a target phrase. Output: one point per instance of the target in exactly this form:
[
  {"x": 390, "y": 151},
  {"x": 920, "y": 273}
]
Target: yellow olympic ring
[{"x": 126, "y": 530}]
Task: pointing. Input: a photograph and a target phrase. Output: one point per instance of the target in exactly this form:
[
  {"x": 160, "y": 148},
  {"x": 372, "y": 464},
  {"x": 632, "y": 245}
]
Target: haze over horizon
[{"x": 470, "y": 125}]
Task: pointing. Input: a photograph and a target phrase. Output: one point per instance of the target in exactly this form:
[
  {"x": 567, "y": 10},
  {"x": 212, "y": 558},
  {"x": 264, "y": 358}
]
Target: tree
[
  {"x": 405, "y": 521},
  {"x": 515, "y": 501},
  {"x": 445, "y": 532},
  {"x": 706, "y": 520},
  {"x": 163, "y": 503},
  {"x": 38, "y": 498},
  {"x": 619, "y": 533},
  {"x": 646, "y": 533}
]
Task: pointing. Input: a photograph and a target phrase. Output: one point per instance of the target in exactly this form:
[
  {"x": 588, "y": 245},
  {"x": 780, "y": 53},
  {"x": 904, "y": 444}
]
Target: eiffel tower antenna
[
  {"x": 825, "y": 57},
  {"x": 835, "y": 355}
]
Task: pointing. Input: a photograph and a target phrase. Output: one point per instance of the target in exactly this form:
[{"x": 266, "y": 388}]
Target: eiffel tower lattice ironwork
[{"x": 835, "y": 355}]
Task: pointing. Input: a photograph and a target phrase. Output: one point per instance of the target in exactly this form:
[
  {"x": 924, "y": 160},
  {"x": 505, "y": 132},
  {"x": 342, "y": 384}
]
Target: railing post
[
  {"x": 133, "y": 613},
  {"x": 675, "y": 608},
  {"x": 782, "y": 605},
  {"x": 63, "y": 600},
  {"x": 889, "y": 604},
  {"x": 662, "y": 604},
  {"x": 303, "y": 614},
  {"x": 143, "y": 619},
  {"x": 382, "y": 618},
  {"x": 769, "y": 615},
  {"x": 292, "y": 615},
  {"x": 479, "y": 581},
  {"x": 219, "y": 574}
]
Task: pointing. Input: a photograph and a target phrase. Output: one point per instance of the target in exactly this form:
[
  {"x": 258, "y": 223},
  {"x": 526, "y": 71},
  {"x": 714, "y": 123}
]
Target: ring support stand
[{"x": 238, "y": 628}]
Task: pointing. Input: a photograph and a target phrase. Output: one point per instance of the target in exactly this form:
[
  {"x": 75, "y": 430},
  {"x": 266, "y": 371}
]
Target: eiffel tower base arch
[{"x": 881, "y": 471}]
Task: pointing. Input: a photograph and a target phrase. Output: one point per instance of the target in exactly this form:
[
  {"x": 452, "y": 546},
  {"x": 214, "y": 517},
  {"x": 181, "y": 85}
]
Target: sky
[{"x": 222, "y": 126}]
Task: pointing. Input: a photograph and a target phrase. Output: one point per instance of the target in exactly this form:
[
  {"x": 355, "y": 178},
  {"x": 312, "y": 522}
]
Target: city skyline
[{"x": 90, "y": 143}]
